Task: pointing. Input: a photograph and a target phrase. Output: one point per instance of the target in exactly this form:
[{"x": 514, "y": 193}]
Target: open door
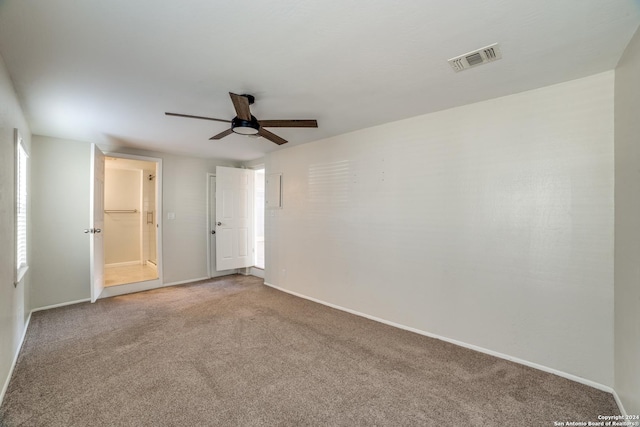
[
  {"x": 234, "y": 218},
  {"x": 97, "y": 223}
]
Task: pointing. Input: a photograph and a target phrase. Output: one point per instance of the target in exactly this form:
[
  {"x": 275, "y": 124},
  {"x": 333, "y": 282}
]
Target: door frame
[
  {"x": 96, "y": 224},
  {"x": 256, "y": 271},
  {"x": 149, "y": 284},
  {"x": 211, "y": 270}
]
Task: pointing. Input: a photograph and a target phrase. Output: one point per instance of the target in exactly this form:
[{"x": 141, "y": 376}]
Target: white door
[
  {"x": 212, "y": 231},
  {"x": 97, "y": 223},
  {"x": 234, "y": 218}
]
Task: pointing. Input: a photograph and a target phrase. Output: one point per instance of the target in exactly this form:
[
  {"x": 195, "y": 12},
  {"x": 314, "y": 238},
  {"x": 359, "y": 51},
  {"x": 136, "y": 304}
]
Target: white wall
[
  {"x": 185, "y": 194},
  {"x": 627, "y": 240},
  {"x": 122, "y": 237},
  {"x": 61, "y": 212},
  {"x": 490, "y": 224},
  {"x": 12, "y": 299}
]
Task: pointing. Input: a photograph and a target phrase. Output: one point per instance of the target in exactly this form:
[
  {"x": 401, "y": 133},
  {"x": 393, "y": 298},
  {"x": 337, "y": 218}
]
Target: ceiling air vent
[{"x": 476, "y": 57}]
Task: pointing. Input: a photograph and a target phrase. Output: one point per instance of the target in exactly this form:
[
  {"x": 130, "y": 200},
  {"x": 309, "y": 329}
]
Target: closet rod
[{"x": 121, "y": 211}]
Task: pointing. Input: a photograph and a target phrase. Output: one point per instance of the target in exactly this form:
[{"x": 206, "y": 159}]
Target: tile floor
[{"x": 120, "y": 275}]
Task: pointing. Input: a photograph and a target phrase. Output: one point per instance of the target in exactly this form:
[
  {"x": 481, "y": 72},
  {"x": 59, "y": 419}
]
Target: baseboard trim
[
  {"x": 619, "y": 403},
  {"x": 5, "y": 386},
  {"x": 562, "y": 374},
  {"x": 62, "y": 304}
]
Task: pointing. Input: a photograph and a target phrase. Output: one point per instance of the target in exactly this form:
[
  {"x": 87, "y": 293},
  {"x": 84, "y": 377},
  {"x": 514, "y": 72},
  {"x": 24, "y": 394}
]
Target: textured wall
[
  {"x": 627, "y": 250},
  {"x": 12, "y": 299},
  {"x": 491, "y": 224}
]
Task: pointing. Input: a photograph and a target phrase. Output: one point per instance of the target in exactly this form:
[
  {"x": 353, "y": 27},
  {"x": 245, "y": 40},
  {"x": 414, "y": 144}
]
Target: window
[{"x": 21, "y": 208}]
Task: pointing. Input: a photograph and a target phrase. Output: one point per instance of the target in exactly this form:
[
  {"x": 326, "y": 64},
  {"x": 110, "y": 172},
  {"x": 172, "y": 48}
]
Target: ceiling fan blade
[
  {"x": 241, "y": 104},
  {"x": 197, "y": 117},
  {"x": 222, "y": 134},
  {"x": 271, "y": 136},
  {"x": 289, "y": 123}
]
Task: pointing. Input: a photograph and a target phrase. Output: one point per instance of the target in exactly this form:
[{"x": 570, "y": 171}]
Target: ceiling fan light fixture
[
  {"x": 245, "y": 127},
  {"x": 246, "y": 124}
]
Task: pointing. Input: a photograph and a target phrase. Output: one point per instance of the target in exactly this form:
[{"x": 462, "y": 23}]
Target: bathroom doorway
[{"x": 131, "y": 228}]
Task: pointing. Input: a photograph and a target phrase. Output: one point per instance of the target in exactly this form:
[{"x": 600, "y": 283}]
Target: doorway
[
  {"x": 216, "y": 225},
  {"x": 131, "y": 203}
]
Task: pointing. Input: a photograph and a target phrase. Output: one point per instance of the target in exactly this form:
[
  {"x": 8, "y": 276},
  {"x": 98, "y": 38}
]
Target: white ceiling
[{"x": 106, "y": 71}]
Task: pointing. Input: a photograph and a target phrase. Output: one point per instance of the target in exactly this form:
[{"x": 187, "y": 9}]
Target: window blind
[{"x": 21, "y": 211}]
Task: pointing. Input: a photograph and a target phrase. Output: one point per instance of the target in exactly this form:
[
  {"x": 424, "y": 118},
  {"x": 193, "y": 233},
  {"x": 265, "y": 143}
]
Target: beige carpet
[{"x": 232, "y": 352}]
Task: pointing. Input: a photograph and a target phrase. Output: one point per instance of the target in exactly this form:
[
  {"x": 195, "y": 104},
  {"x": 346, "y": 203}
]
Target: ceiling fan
[{"x": 246, "y": 124}]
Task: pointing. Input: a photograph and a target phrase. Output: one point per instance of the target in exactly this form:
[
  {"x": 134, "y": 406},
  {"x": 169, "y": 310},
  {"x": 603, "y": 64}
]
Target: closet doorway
[{"x": 131, "y": 228}]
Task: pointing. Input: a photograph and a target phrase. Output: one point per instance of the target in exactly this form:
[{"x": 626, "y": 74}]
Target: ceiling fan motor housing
[
  {"x": 250, "y": 98},
  {"x": 245, "y": 127}
]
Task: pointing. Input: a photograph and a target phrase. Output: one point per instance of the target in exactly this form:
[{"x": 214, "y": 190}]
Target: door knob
[
  {"x": 213, "y": 231},
  {"x": 219, "y": 223},
  {"x": 87, "y": 231},
  {"x": 97, "y": 230}
]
